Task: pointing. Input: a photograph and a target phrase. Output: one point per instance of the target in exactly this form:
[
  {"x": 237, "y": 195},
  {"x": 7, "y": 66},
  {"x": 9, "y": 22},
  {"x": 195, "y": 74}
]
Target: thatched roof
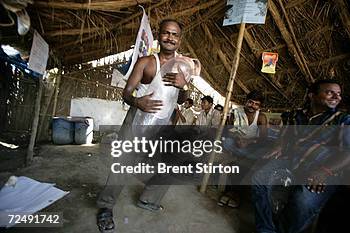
[{"x": 311, "y": 37}]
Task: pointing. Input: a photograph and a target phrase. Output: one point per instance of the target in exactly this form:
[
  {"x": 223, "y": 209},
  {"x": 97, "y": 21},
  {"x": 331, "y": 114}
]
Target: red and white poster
[{"x": 269, "y": 62}]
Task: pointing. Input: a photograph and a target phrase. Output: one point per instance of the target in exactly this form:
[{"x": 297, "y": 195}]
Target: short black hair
[
  {"x": 219, "y": 107},
  {"x": 208, "y": 98},
  {"x": 256, "y": 95},
  {"x": 165, "y": 21},
  {"x": 316, "y": 86},
  {"x": 190, "y": 101}
]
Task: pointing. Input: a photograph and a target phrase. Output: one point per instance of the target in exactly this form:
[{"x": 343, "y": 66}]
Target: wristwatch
[{"x": 185, "y": 87}]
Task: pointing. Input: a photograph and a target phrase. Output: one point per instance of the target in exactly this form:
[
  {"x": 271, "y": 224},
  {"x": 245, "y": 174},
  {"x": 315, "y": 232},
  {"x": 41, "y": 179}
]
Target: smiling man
[
  {"x": 249, "y": 125},
  {"x": 146, "y": 69},
  {"x": 313, "y": 154}
]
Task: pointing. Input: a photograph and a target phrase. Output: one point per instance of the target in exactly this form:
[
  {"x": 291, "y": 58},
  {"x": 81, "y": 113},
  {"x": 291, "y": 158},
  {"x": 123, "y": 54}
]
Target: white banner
[
  {"x": 38, "y": 54},
  {"x": 143, "y": 44},
  {"x": 245, "y": 11}
]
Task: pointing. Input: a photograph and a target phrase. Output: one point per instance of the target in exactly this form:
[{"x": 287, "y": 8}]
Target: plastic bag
[{"x": 168, "y": 94}]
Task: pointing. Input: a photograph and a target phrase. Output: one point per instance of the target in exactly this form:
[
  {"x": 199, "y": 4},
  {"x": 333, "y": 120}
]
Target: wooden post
[
  {"x": 227, "y": 101},
  {"x": 57, "y": 87},
  {"x": 30, "y": 153},
  {"x": 224, "y": 59}
]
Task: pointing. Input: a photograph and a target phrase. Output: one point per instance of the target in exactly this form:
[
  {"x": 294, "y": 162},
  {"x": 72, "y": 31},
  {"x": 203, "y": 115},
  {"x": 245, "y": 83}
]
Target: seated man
[
  {"x": 247, "y": 137},
  {"x": 313, "y": 155},
  {"x": 249, "y": 129}
]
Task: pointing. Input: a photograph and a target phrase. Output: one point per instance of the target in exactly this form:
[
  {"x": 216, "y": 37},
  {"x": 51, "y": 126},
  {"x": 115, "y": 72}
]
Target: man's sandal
[
  {"x": 233, "y": 203},
  {"x": 105, "y": 221},
  {"x": 223, "y": 200},
  {"x": 149, "y": 206},
  {"x": 230, "y": 201}
]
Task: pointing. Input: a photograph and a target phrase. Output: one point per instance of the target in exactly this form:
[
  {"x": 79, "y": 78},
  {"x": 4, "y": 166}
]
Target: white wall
[{"x": 104, "y": 112}]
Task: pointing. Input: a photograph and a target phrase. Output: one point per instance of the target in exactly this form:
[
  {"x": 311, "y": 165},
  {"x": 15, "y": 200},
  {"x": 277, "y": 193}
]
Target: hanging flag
[
  {"x": 143, "y": 44},
  {"x": 269, "y": 62},
  {"x": 39, "y": 54}
]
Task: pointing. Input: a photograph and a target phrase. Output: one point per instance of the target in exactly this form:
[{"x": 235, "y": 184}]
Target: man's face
[
  {"x": 252, "y": 105},
  {"x": 187, "y": 104},
  {"x": 329, "y": 95},
  {"x": 205, "y": 105},
  {"x": 170, "y": 37}
]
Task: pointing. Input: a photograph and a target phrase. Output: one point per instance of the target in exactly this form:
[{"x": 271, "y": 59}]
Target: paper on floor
[{"x": 26, "y": 196}]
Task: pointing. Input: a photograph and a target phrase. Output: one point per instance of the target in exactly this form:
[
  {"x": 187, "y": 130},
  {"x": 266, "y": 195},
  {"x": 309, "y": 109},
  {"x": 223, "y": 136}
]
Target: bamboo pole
[
  {"x": 248, "y": 38},
  {"x": 100, "y": 5},
  {"x": 44, "y": 111},
  {"x": 227, "y": 101},
  {"x": 30, "y": 149},
  {"x": 57, "y": 89},
  {"x": 223, "y": 58}
]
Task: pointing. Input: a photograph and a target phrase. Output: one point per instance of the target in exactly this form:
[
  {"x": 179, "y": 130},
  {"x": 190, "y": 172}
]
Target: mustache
[{"x": 169, "y": 42}]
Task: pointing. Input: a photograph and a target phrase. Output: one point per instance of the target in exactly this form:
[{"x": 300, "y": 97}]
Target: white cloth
[
  {"x": 142, "y": 88},
  {"x": 212, "y": 119},
  {"x": 188, "y": 115},
  {"x": 241, "y": 123}
]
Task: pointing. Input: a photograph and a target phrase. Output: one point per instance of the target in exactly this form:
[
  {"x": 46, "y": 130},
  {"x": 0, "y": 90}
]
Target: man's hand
[
  {"x": 316, "y": 182},
  {"x": 146, "y": 104},
  {"x": 275, "y": 153},
  {"x": 175, "y": 79},
  {"x": 242, "y": 142}
]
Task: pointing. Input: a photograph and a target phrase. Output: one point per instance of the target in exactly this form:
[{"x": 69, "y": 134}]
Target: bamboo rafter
[
  {"x": 289, "y": 41},
  {"x": 343, "y": 9},
  {"x": 116, "y": 26},
  {"x": 92, "y": 5}
]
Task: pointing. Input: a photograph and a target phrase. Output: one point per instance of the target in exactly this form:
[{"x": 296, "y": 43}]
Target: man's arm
[
  {"x": 134, "y": 79},
  {"x": 262, "y": 123},
  {"x": 216, "y": 119},
  {"x": 181, "y": 117},
  {"x": 334, "y": 165},
  {"x": 183, "y": 96},
  {"x": 144, "y": 103}
]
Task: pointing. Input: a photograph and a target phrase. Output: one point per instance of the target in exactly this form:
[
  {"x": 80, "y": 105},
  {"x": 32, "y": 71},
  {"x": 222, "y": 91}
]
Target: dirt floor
[{"x": 81, "y": 171}]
